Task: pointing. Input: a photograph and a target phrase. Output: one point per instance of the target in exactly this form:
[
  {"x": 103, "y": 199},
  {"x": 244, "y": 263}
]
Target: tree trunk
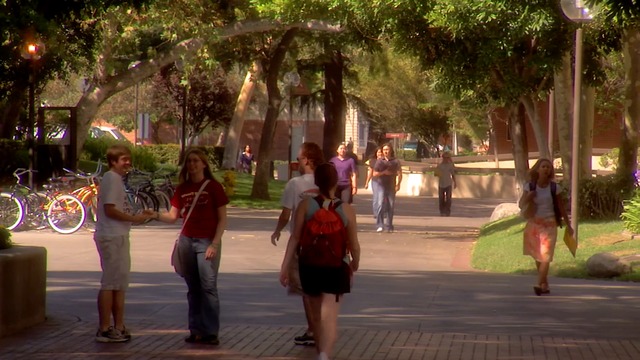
[
  {"x": 334, "y": 105},
  {"x": 260, "y": 187},
  {"x": 232, "y": 142},
  {"x": 518, "y": 133},
  {"x": 10, "y": 111},
  {"x": 627, "y": 163},
  {"x": 586, "y": 131},
  {"x": 564, "y": 109},
  {"x": 536, "y": 124}
]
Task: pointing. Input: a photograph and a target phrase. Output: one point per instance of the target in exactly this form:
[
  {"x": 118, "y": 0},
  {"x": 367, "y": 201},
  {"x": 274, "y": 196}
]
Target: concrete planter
[{"x": 23, "y": 288}]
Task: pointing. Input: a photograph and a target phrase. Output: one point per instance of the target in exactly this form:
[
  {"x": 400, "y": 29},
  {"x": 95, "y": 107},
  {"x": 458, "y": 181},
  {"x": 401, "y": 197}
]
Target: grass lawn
[
  {"x": 499, "y": 249},
  {"x": 242, "y": 197}
]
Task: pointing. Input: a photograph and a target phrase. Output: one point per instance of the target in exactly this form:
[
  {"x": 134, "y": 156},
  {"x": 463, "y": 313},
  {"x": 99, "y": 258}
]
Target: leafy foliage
[
  {"x": 602, "y": 197},
  {"x": 5, "y": 239},
  {"x": 631, "y": 214},
  {"x": 210, "y": 97}
]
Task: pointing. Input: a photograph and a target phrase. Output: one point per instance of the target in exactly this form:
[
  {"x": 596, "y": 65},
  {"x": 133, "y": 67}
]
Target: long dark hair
[
  {"x": 326, "y": 178},
  {"x": 184, "y": 173}
]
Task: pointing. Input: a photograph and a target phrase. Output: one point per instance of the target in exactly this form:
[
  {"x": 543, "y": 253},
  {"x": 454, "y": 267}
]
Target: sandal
[{"x": 540, "y": 290}]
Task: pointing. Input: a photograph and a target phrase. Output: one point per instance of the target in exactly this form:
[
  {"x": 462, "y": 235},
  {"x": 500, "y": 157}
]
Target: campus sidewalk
[{"x": 415, "y": 297}]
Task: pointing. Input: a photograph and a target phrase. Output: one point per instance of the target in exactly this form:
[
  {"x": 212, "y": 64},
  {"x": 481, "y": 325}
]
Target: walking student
[
  {"x": 200, "y": 243},
  {"x": 388, "y": 171},
  {"x": 375, "y": 183},
  {"x": 325, "y": 266},
  {"x": 347, "y": 174},
  {"x": 540, "y": 233},
  {"x": 115, "y": 217},
  {"x": 446, "y": 172},
  {"x": 296, "y": 190}
]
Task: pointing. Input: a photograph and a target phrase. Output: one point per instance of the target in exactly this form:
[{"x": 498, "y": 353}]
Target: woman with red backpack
[{"x": 325, "y": 235}]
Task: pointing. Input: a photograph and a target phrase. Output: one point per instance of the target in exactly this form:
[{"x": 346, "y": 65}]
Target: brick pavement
[{"x": 415, "y": 298}]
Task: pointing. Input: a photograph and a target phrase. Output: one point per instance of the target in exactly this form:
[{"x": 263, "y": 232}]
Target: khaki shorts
[
  {"x": 295, "y": 286},
  {"x": 115, "y": 260}
]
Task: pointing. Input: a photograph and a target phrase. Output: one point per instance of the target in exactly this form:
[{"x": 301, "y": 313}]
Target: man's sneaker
[
  {"x": 111, "y": 336},
  {"x": 379, "y": 229},
  {"x": 304, "y": 339}
]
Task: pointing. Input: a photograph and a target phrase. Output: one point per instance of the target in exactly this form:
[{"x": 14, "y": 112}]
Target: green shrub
[
  {"x": 5, "y": 238},
  {"x": 96, "y": 149},
  {"x": 409, "y": 155},
  {"x": 631, "y": 214},
  {"x": 601, "y": 197},
  {"x": 165, "y": 153}
]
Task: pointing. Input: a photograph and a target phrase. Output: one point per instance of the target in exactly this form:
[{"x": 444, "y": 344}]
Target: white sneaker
[
  {"x": 379, "y": 229},
  {"x": 323, "y": 356}
]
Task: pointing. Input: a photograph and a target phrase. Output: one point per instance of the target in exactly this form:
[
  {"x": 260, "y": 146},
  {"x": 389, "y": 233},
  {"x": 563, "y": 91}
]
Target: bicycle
[{"x": 23, "y": 205}]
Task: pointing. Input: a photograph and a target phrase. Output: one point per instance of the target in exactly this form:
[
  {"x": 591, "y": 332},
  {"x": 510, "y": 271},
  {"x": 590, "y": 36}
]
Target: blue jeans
[
  {"x": 201, "y": 277},
  {"x": 385, "y": 199},
  {"x": 375, "y": 189}
]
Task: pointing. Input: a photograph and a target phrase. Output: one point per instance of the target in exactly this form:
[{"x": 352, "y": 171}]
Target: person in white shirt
[
  {"x": 296, "y": 190},
  {"x": 446, "y": 173},
  {"x": 115, "y": 216}
]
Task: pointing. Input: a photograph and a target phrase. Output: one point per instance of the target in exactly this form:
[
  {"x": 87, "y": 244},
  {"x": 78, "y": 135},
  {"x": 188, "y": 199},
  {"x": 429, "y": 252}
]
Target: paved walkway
[{"x": 415, "y": 297}]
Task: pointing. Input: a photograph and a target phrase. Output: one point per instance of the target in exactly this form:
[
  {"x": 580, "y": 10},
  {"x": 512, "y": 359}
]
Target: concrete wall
[
  {"x": 23, "y": 283},
  {"x": 469, "y": 186}
]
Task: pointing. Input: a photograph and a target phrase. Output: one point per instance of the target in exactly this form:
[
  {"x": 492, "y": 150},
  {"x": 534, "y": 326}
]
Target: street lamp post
[
  {"x": 183, "y": 134},
  {"x": 135, "y": 116},
  {"x": 576, "y": 11},
  {"x": 32, "y": 52},
  {"x": 292, "y": 79}
]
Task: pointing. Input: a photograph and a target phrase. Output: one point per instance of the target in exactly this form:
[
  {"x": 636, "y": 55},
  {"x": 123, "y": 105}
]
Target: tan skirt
[{"x": 540, "y": 238}]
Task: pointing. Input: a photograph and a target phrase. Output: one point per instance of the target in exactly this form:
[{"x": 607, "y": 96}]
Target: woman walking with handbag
[
  {"x": 202, "y": 201},
  {"x": 544, "y": 211}
]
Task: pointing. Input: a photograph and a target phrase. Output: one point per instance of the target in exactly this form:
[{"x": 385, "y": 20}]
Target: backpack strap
[{"x": 556, "y": 208}]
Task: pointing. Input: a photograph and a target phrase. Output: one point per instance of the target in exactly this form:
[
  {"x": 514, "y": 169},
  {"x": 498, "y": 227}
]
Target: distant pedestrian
[
  {"x": 375, "y": 184},
  {"x": 446, "y": 173},
  {"x": 115, "y": 217},
  {"x": 246, "y": 160},
  {"x": 540, "y": 233},
  {"x": 326, "y": 265},
  {"x": 388, "y": 172},
  {"x": 296, "y": 190},
  {"x": 347, "y": 174},
  {"x": 200, "y": 243}
]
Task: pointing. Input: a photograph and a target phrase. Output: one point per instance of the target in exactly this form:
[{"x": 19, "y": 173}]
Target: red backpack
[{"x": 324, "y": 236}]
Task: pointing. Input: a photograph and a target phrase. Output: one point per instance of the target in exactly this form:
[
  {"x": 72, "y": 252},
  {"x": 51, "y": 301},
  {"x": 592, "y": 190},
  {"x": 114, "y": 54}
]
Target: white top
[
  {"x": 296, "y": 190},
  {"x": 543, "y": 200},
  {"x": 112, "y": 192}
]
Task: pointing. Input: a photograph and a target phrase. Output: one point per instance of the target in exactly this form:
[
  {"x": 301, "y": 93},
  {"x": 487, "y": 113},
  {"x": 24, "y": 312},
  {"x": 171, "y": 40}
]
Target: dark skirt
[{"x": 330, "y": 280}]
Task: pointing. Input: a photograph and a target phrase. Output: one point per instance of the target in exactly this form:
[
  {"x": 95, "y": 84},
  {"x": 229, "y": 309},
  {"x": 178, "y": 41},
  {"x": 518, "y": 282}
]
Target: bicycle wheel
[
  {"x": 164, "y": 202},
  {"x": 11, "y": 211},
  {"x": 66, "y": 214}
]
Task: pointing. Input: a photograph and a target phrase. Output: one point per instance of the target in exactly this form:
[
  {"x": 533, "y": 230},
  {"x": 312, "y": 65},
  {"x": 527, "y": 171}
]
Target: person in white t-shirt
[
  {"x": 115, "y": 216},
  {"x": 296, "y": 190}
]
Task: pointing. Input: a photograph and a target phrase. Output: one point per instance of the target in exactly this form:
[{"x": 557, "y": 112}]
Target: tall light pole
[
  {"x": 183, "y": 134},
  {"x": 32, "y": 52},
  {"x": 576, "y": 11},
  {"x": 135, "y": 116},
  {"x": 292, "y": 79}
]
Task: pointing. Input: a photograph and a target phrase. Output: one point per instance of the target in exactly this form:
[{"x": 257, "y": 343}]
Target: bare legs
[
  {"x": 326, "y": 309},
  {"x": 111, "y": 302},
  {"x": 543, "y": 272},
  {"x": 312, "y": 317}
]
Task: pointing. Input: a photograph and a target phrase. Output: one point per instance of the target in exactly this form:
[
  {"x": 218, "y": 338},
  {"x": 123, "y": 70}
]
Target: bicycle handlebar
[{"x": 21, "y": 171}]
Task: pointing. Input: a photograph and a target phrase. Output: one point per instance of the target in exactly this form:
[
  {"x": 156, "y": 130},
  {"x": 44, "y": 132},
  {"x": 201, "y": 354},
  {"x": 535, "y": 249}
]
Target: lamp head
[
  {"x": 33, "y": 51},
  {"x": 577, "y": 10}
]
